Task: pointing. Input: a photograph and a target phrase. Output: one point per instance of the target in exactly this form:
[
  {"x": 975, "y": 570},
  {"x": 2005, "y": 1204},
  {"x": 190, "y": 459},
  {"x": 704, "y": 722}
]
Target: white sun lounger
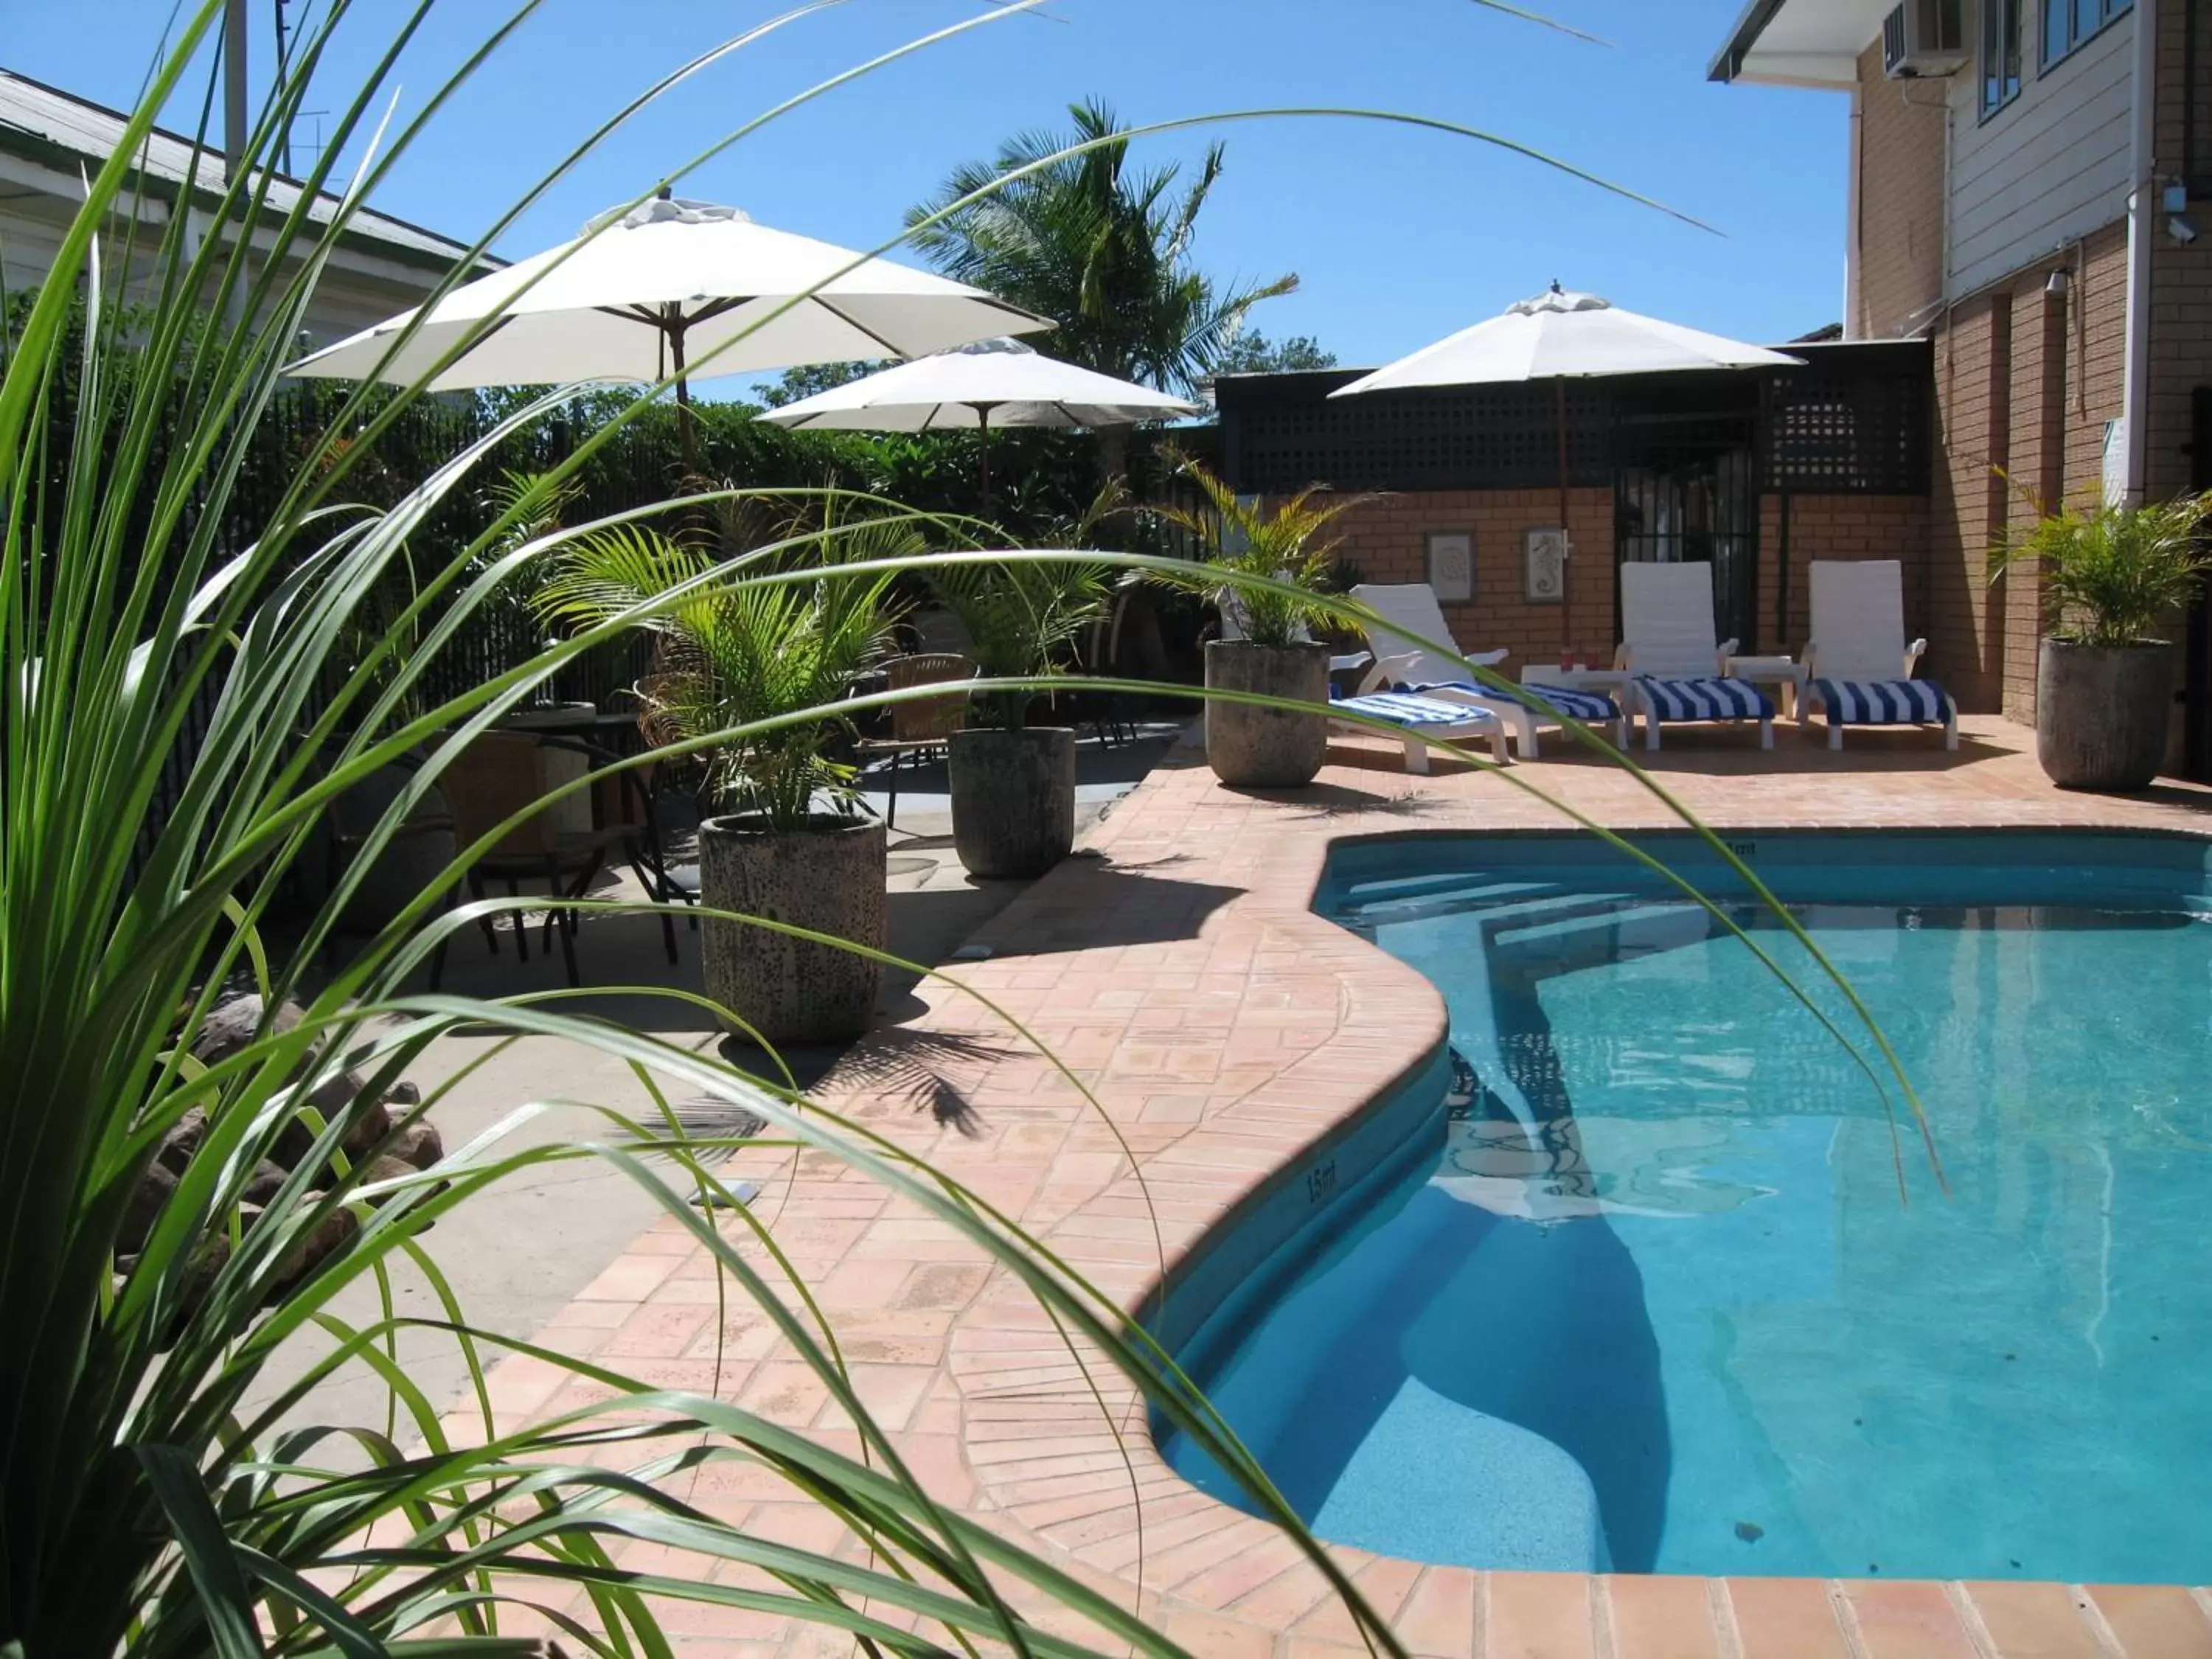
[
  {"x": 1410, "y": 613},
  {"x": 1679, "y": 670},
  {"x": 1422, "y": 720},
  {"x": 1858, "y": 669}
]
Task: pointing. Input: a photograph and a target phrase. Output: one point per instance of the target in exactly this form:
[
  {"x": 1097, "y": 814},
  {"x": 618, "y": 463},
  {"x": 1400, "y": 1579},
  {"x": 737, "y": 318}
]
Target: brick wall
[
  {"x": 1899, "y": 130},
  {"x": 2026, "y": 382},
  {"x": 1837, "y": 527},
  {"x": 2180, "y": 288},
  {"x": 1386, "y": 539}
]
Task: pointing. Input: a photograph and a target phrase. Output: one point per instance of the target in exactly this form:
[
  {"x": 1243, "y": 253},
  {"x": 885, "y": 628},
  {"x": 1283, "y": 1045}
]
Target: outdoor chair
[
  {"x": 1420, "y": 719},
  {"x": 1859, "y": 671},
  {"x": 923, "y": 726},
  {"x": 501, "y": 774},
  {"x": 1410, "y": 613},
  {"x": 1678, "y": 670},
  {"x": 681, "y": 779},
  {"x": 1102, "y": 655}
]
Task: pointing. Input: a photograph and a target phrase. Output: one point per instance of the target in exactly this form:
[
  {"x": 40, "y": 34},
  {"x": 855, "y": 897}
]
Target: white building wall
[{"x": 2051, "y": 167}]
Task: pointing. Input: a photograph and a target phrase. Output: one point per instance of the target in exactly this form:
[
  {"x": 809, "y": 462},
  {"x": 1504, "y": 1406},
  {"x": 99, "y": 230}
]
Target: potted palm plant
[
  {"x": 1266, "y": 648},
  {"x": 1013, "y": 784},
  {"x": 790, "y": 845},
  {"x": 2113, "y": 577}
]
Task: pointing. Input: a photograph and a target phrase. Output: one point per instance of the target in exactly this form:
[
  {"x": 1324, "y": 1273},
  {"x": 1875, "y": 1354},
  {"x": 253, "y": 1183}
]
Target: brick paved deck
[{"x": 1224, "y": 1029}]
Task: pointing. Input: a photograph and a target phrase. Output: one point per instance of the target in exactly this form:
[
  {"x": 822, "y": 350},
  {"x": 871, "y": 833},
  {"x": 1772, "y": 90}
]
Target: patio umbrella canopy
[
  {"x": 642, "y": 295},
  {"x": 1559, "y": 336},
  {"x": 990, "y": 383}
]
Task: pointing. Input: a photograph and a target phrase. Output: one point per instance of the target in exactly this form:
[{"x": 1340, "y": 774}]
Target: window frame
[
  {"x": 2111, "y": 11},
  {"x": 1990, "y": 50}
]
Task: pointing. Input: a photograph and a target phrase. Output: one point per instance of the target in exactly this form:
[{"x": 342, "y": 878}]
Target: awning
[{"x": 1800, "y": 42}]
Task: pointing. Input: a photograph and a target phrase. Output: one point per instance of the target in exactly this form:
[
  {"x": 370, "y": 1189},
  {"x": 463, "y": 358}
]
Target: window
[
  {"x": 2068, "y": 23},
  {"x": 2000, "y": 53}
]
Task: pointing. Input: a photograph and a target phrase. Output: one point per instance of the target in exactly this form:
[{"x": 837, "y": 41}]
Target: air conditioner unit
[{"x": 1923, "y": 37}]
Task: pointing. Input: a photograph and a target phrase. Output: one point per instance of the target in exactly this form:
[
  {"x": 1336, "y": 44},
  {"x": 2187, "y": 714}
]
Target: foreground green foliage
[{"x": 153, "y": 1501}]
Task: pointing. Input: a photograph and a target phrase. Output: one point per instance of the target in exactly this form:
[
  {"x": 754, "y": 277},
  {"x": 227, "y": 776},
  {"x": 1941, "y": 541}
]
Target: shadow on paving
[{"x": 1089, "y": 905}]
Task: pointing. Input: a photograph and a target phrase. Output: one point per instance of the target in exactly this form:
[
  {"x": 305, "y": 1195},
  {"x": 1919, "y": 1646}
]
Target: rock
[
  {"x": 372, "y": 1122},
  {"x": 329, "y": 1235},
  {"x": 267, "y": 1180},
  {"x": 182, "y": 1140},
  {"x": 335, "y": 1097},
  {"x": 231, "y": 1025},
  {"x": 420, "y": 1144},
  {"x": 144, "y": 1209},
  {"x": 386, "y": 1168}
]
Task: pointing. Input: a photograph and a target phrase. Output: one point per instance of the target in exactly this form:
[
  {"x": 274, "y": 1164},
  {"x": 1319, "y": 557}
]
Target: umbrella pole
[
  {"x": 685, "y": 433},
  {"x": 983, "y": 447},
  {"x": 1566, "y": 543}
]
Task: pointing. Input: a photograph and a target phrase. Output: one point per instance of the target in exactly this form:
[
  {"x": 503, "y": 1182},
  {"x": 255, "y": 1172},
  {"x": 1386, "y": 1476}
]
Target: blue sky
[{"x": 1399, "y": 236}]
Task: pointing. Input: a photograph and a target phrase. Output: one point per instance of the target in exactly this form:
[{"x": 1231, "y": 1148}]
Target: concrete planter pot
[
  {"x": 827, "y": 876},
  {"x": 1014, "y": 800},
  {"x": 412, "y": 860},
  {"x": 1253, "y": 747},
  {"x": 2101, "y": 713}
]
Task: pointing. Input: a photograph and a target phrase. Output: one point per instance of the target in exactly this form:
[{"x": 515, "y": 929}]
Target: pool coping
[{"x": 1297, "y": 1029}]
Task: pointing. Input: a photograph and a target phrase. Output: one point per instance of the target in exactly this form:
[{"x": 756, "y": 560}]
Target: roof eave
[
  {"x": 1826, "y": 70},
  {"x": 1728, "y": 65}
]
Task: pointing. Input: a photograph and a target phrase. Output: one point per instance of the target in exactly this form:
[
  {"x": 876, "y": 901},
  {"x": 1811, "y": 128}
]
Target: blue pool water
[{"x": 1643, "y": 1295}]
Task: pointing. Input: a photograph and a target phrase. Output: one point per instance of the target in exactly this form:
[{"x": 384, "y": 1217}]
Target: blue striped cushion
[
  {"x": 1882, "y": 703},
  {"x": 1404, "y": 708},
  {"x": 1584, "y": 706},
  {"x": 1706, "y": 700}
]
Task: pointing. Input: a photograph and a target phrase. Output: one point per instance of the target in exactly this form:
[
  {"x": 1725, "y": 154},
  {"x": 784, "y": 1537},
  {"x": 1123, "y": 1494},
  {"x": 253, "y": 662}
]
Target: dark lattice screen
[
  {"x": 1851, "y": 429},
  {"x": 1856, "y": 420},
  {"x": 1285, "y": 432}
]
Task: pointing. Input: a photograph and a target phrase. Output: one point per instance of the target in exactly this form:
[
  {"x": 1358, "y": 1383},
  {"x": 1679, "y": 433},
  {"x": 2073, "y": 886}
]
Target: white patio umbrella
[
  {"x": 987, "y": 384},
  {"x": 639, "y": 295},
  {"x": 1559, "y": 336}
]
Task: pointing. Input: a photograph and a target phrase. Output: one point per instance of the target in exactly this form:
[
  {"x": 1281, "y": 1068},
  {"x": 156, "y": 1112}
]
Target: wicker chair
[{"x": 925, "y": 724}]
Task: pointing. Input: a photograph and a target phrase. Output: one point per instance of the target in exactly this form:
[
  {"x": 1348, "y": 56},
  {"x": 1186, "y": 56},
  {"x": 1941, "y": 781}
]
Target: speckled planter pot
[
  {"x": 1251, "y": 747},
  {"x": 2102, "y": 712},
  {"x": 829, "y": 878},
  {"x": 1014, "y": 800}
]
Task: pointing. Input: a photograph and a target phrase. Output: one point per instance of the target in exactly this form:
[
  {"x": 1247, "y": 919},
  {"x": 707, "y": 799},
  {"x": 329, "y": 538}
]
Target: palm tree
[{"x": 1103, "y": 251}]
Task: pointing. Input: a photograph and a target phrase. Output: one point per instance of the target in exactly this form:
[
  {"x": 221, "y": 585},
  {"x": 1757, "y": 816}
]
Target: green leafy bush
[{"x": 2115, "y": 574}]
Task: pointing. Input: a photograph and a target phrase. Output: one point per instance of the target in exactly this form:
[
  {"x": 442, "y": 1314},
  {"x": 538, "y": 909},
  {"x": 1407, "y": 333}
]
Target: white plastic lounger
[
  {"x": 1421, "y": 719},
  {"x": 1680, "y": 671},
  {"x": 1859, "y": 671},
  {"x": 1412, "y": 607}
]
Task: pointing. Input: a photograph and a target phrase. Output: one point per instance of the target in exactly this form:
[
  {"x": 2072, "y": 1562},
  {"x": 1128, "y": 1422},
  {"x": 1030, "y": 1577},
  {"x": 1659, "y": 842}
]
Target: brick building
[
  {"x": 1757, "y": 473},
  {"x": 2021, "y": 323},
  {"x": 2026, "y": 185}
]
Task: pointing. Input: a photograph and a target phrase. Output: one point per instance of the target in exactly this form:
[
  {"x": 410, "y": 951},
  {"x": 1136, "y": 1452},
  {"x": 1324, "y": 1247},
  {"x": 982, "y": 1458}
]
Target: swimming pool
[{"x": 1629, "y": 1286}]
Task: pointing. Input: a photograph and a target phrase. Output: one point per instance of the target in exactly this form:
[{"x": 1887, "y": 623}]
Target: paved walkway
[{"x": 1225, "y": 1029}]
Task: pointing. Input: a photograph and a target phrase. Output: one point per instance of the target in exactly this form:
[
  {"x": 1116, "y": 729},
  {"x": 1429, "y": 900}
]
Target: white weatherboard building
[{"x": 50, "y": 141}]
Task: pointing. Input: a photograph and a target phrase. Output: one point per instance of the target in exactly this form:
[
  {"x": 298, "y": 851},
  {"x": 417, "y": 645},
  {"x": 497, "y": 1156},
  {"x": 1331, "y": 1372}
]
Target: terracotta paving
[{"x": 1224, "y": 1029}]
